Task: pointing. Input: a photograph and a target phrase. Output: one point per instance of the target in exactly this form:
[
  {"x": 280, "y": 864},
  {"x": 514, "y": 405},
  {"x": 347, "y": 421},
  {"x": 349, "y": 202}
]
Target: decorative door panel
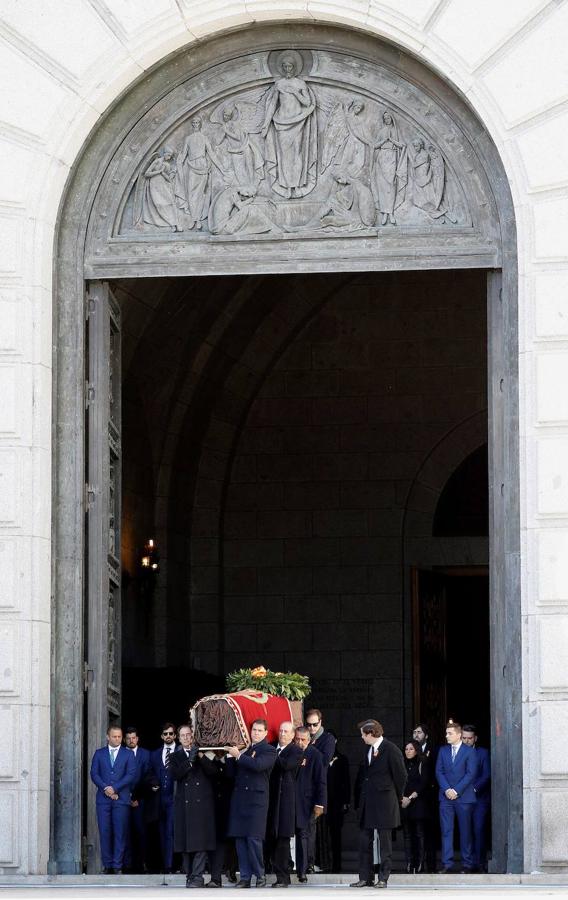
[{"x": 103, "y": 486}]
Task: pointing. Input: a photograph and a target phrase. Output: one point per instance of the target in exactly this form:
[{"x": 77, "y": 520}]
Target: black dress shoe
[
  {"x": 213, "y": 884},
  {"x": 467, "y": 871},
  {"x": 310, "y": 870},
  {"x": 117, "y": 871},
  {"x": 279, "y": 884},
  {"x": 261, "y": 882},
  {"x": 107, "y": 871},
  {"x": 194, "y": 883},
  {"x": 361, "y": 883},
  {"x": 381, "y": 884},
  {"x": 303, "y": 879},
  {"x": 446, "y": 871},
  {"x": 243, "y": 883}
]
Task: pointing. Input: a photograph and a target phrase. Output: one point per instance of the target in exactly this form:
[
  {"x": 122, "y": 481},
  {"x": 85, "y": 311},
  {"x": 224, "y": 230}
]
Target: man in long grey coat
[{"x": 378, "y": 793}]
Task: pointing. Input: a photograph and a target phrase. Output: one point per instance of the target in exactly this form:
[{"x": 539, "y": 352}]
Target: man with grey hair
[{"x": 282, "y": 806}]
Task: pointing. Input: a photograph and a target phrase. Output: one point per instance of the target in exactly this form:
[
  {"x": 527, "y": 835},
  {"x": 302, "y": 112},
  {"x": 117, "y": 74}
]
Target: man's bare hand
[
  {"x": 109, "y": 790},
  {"x": 451, "y": 794},
  {"x": 318, "y": 811},
  {"x": 134, "y": 804},
  {"x": 233, "y": 751}
]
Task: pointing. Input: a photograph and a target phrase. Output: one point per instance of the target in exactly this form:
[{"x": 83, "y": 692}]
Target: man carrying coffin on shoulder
[
  {"x": 251, "y": 770},
  {"x": 194, "y": 807}
]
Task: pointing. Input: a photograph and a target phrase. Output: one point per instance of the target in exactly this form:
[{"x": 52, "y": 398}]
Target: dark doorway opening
[
  {"x": 451, "y": 648},
  {"x": 272, "y": 429}
]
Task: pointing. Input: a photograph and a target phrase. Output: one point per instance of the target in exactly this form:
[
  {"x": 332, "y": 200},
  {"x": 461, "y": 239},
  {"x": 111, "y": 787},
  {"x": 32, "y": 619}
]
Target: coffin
[{"x": 223, "y": 720}]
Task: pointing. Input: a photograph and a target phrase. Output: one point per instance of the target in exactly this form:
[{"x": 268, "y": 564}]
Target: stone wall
[
  {"x": 313, "y": 574},
  {"x": 66, "y": 64}
]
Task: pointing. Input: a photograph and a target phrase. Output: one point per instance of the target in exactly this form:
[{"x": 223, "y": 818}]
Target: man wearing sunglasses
[
  {"x": 163, "y": 783},
  {"x": 325, "y": 743}
]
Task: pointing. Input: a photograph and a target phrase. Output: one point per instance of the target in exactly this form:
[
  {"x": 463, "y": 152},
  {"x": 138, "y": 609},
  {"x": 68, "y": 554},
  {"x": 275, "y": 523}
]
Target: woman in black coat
[{"x": 414, "y": 804}]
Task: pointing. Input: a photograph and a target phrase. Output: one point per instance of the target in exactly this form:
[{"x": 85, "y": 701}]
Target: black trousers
[
  {"x": 413, "y": 830},
  {"x": 302, "y": 849},
  {"x": 366, "y": 869},
  {"x": 217, "y": 860},
  {"x": 281, "y": 859},
  {"x": 194, "y": 864}
]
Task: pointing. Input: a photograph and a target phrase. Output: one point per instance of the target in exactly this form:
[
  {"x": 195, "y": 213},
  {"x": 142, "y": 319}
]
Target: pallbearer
[
  {"x": 194, "y": 807},
  {"x": 251, "y": 769}
]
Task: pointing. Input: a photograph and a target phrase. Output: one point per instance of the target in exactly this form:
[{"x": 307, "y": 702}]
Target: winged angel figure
[
  {"x": 347, "y": 142},
  {"x": 239, "y": 123}
]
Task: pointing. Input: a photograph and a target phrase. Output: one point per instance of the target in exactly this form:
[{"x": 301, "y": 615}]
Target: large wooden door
[
  {"x": 429, "y": 646},
  {"x": 450, "y": 610},
  {"x": 103, "y": 570}
]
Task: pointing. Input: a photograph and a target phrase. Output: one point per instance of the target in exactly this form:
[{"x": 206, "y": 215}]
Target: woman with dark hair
[{"x": 415, "y": 805}]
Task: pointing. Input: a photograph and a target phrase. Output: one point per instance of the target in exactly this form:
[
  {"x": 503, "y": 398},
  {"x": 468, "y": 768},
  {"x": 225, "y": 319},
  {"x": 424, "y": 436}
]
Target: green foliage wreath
[{"x": 281, "y": 684}]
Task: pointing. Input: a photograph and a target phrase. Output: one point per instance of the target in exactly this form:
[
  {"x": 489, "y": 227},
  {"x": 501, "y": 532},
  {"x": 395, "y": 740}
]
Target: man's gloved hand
[{"x": 193, "y": 753}]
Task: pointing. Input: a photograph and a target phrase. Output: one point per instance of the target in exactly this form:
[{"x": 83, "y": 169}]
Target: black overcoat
[
  {"x": 325, "y": 743},
  {"x": 379, "y": 788},
  {"x": 194, "y": 802},
  {"x": 282, "y": 805},
  {"x": 311, "y": 786},
  {"x": 222, "y": 788},
  {"x": 249, "y": 802},
  {"x": 419, "y": 780}
]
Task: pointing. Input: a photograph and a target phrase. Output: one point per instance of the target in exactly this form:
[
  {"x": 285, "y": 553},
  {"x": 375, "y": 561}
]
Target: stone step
[{"x": 321, "y": 881}]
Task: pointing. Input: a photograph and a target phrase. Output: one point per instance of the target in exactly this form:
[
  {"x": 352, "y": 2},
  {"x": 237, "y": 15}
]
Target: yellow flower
[{"x": 259, "y": 672}]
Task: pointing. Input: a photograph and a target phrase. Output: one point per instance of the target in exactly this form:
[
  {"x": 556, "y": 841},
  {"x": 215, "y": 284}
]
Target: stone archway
[{"x": 111, "y": 226}]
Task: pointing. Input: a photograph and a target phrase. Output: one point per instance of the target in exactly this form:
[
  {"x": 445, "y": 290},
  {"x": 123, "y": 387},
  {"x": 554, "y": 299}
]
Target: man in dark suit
[
  {"x": 164, "y": 784},
  {"x": 482, "y": 788},
  {"x": 456, "y": 769},
  {"x": 311, "y": 797},
  {"x": 251, "y": 770},
  {"x": 325, "y": 742},
  {"x": 421, "y": 733},
  {"x": 222, "y": 790},
  {"x": 282, "y": 803},
  {"x": 135, "y": 854},
  {"x": 378, "y": 794},
  {"x": 338, "y": 799},
  {"x": 194, "y": 807},
  {"x": 113, "y": 771}
]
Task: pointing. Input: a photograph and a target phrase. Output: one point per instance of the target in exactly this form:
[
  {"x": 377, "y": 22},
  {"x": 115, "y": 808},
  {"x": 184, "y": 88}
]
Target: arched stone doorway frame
[{"x": 70, "y": 669}]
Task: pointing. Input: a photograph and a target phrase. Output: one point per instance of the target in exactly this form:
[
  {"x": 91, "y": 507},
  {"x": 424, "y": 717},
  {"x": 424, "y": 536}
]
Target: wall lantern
[{"x": 150, "y": 560}]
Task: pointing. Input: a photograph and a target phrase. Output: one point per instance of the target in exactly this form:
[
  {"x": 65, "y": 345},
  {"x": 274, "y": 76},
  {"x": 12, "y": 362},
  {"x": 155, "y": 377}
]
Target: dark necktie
[{"x": 168, "y": 751}]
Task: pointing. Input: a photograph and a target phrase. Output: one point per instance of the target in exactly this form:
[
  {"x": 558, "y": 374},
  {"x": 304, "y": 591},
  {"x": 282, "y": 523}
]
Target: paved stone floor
[{"x": 510, "y": 887}]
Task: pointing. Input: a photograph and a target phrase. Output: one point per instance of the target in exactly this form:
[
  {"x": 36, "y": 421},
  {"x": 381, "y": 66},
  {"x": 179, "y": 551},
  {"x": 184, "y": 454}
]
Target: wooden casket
[{"x": 224, "y": 720}]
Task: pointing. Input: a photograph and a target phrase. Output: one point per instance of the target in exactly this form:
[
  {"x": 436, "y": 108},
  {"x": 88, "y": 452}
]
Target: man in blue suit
[
  {"x": 456, "y": 769},
  {"x": 163, "y": 783},
  {"x": 113, "y": 771},
  {"x": 482, "y": 788},
  {"x": 251, "y": 770},
  {"x": 135, "y": 856}
]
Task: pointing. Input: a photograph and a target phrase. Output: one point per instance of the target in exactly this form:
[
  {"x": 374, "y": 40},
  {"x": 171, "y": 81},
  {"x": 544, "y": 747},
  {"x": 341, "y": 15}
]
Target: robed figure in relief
[
  {"x": 195, "y": 161},
  {"x": 290, "y": 130},
  {"x": 155, "y": 201},
  {"x": 238, "y": 141},
  {"x": 389, "y": 172}
]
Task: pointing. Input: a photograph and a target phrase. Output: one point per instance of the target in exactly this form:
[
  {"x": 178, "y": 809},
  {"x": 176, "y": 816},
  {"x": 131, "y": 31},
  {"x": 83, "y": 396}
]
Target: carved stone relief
[{"x": 297, "y": 152}]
